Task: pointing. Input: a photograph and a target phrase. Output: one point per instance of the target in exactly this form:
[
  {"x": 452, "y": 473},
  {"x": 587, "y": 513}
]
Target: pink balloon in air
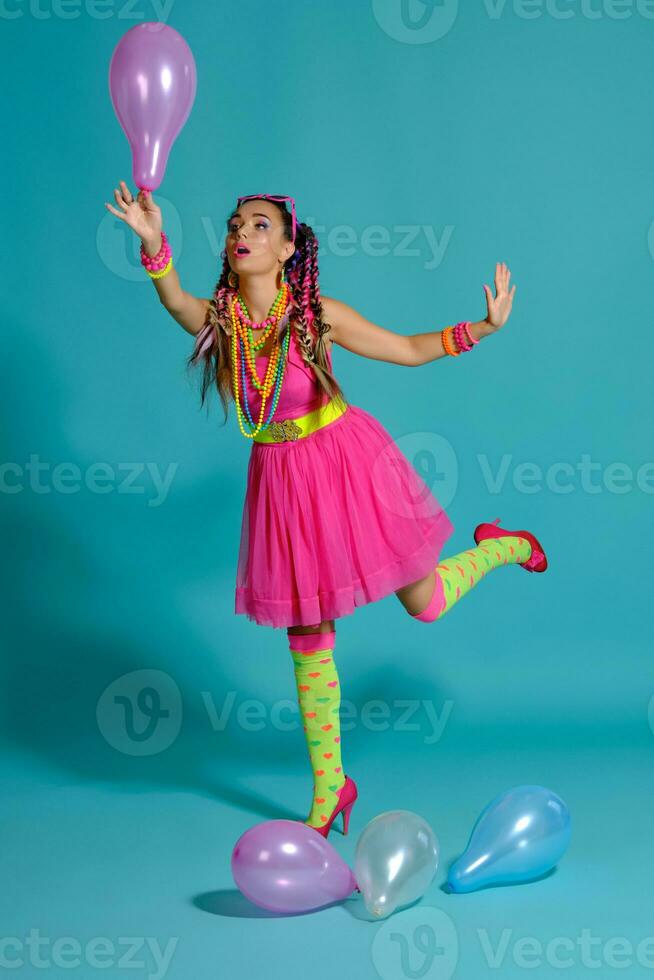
[{"x": 152, "y": 81}]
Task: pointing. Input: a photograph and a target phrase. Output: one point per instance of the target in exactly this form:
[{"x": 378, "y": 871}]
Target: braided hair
[{"x": 304, "y": 313}]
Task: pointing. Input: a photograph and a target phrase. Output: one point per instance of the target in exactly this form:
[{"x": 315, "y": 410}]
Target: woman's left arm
[{"x": 358, "y": 335}]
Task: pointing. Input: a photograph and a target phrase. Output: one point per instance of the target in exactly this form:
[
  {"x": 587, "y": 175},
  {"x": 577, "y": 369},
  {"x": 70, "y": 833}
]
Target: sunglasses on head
[{"x": 271, "y": 197}]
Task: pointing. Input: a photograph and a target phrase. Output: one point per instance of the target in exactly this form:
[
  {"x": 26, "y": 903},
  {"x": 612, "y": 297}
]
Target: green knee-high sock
[
  {"x": 460, "y": 573},
  {"x": 455, "y": 576},
  {"x": 319, "y": 697}
]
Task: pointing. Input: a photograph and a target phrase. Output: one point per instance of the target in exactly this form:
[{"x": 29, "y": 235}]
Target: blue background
[{"x": 516, "y": 135}]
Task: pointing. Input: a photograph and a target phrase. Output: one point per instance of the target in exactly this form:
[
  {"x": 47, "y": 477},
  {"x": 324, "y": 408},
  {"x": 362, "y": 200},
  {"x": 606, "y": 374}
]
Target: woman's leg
[
  {"x": 327, "y": 626},
  {"x": 433, "y": 596},
  {"x": 319, "y": 697}
]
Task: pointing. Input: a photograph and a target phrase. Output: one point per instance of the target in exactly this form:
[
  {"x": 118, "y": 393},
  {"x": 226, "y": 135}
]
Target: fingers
[
  {"x": 125, "y": 200},
  {"x": 113, "y": 211},
  {"x": 120, "y": 201},
  {"x": 123, "y": 196},
  {"x": 502, "y": 276},
  {"x": 127, "y": 194},
  {"x": 144, "y": 199}
]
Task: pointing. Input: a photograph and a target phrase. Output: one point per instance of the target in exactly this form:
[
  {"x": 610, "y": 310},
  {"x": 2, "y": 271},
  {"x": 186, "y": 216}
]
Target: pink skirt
[{"x": 332, "y": 521}]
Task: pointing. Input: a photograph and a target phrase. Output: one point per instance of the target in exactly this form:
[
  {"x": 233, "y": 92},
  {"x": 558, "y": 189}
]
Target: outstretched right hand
[{"x": 141, "y": 213}]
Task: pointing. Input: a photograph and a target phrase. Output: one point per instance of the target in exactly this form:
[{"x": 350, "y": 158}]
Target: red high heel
[
  {"x": 347, "y": 794},
  {"x": 537, "y": 562}
]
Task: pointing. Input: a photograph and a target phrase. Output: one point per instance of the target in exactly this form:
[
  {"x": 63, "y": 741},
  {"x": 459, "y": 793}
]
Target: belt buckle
[{"x": 285, "y": 431}]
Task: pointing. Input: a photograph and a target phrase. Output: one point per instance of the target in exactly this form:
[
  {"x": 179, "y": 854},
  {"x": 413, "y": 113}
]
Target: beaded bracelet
[
  {"x": 164, "y": 271},
  {"x": 446, "y": 338},
  {"x": 463, "y": 345},
  {"x": 155, "y": 262},
  {"x": 160, "y": 264},
  {"x": 457, "y": 332}
]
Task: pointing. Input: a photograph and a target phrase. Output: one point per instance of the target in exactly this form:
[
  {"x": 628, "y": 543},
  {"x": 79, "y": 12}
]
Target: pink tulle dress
[{"x": 332, "y": 520}]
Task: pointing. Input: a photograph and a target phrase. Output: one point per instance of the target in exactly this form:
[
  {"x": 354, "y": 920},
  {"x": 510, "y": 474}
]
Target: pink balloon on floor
[
  {"x": 152, "y": 82},
  {"x": 286, "y": 866}
]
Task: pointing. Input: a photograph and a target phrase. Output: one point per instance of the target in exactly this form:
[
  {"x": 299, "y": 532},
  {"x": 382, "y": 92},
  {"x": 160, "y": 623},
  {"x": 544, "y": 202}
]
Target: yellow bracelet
[{"x": 162, "y": 272}]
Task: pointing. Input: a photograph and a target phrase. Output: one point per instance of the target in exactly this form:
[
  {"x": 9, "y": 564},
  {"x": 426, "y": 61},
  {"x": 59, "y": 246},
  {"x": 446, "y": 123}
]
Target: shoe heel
[
  {"x": 538, "y": 560},
  {"x": 346, "y": 816}
]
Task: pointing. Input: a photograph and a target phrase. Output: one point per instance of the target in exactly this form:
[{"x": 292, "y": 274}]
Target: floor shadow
[{"x": 232, "y": 903}]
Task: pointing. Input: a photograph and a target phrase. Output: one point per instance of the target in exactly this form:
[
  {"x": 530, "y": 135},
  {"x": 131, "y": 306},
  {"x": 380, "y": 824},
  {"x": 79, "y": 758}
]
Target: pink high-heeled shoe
[
  {"x": 347, "y": 794},
  {"x": 537, "y": 562}
]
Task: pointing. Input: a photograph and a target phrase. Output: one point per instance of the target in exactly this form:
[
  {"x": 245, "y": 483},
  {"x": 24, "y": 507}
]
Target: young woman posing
[{"x": 334, "y": 516}]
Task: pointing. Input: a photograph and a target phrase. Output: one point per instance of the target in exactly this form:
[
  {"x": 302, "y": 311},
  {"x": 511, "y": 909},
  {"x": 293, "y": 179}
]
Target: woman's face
[{"x": 255, "y": 241}]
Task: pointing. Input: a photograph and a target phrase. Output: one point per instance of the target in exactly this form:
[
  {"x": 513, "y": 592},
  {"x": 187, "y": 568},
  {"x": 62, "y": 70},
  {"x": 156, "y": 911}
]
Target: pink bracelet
[
  {"x": 154, "y": 258},
  {"x": 157, "y": 262},
  {"x": 459, "y": 335},
  {"x": 466, "y": 326},
  {"x": 460, "y": 339},
  {"x": 154, "y": 263}
]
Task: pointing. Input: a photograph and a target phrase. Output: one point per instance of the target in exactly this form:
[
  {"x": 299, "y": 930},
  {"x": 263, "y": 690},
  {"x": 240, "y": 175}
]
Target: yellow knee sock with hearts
[{"x": 319, "y": 698}]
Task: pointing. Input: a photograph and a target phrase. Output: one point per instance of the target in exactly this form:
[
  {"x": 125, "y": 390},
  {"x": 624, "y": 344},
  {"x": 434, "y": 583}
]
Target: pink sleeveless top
[{"x": 300, "y": 390}]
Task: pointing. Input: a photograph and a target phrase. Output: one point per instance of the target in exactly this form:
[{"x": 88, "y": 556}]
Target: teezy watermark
[
  {"x": 37, "y": 476},
  {"x": 424, "y": 942},
  {"x": 435, "y": 477},
  {"x": 140, "y": 714},
  {"x": 426, "y": 21},
  {"x": 434, "y": 471},
  {"x": 375, "y": 715},
  {"x": 119, "y": 248},
  {"x": 402, "y": 241},
  {"x": 98, "y": 953},
  {"x": 128, "y": 10}
]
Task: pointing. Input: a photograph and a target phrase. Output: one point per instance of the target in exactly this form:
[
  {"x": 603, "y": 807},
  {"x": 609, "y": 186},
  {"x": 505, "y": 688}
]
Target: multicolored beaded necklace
[{"x": 244, "y": 347}]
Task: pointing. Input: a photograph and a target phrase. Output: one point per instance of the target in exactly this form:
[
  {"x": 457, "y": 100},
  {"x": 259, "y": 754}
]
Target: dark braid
[{"x": 212, "y": 346}]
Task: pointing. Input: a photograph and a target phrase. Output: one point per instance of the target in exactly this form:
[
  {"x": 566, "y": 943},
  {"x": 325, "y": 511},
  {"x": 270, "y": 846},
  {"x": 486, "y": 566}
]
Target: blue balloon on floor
[{"x": 519, "y": 836}]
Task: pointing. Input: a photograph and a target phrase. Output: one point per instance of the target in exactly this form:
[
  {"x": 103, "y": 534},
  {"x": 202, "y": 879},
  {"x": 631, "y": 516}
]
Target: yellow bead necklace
[{"x": 243, "y": 345}]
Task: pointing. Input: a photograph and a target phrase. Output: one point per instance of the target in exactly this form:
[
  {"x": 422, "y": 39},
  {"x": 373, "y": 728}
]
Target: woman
[{"x": 334, "y": 515}]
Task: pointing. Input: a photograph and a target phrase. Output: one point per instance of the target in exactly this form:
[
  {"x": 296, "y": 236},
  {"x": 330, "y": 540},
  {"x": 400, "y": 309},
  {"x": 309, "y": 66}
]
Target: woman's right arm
[{"x": 144, "y": 217}]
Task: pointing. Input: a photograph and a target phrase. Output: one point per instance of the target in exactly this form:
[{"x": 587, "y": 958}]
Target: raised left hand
[{"x": 499, "y": 306}]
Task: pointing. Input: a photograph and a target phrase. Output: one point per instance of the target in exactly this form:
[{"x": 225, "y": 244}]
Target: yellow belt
[{"x": 290, "y": 429}]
